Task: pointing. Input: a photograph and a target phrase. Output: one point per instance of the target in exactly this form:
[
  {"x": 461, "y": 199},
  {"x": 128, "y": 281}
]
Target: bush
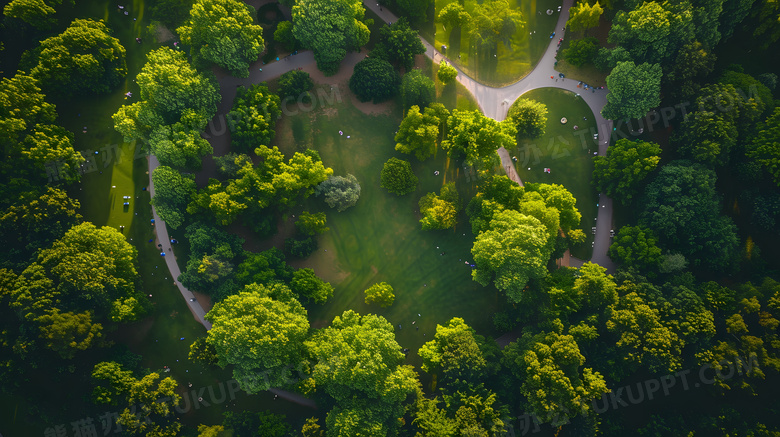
[
  {"x": 374, "y": 79},
  {"x": 397, "y": 177},
  {"x": 381, "y": 294}
]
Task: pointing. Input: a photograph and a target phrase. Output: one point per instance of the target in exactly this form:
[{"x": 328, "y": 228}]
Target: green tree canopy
[
  {"x": 529, "y": 117},
  {"x": 446, "y": 73},
  {"x": 253, "y": 117},
  {"x": 374, "y": 79},
  {"x": 417, "y": 89},
  {"x": 581, "y": 51},
  {"x": 284, "y": 36},
  {"x": 633, "y": 90},
  {"x": 653, "y": 31},
  {"x": 454, "y": 15},
  {"x": 309, "y": 286},
  {"x": 380, "y": 294},
  {"x": 765, "y": 147},
  {"x": 330, "y": 29},
  {"x": 172, "y": 192},
  {"x": 511, "y": 252},
  {"x": 84, "y": 58},
  {"x": 477, "y": 137},
  {"x": 440, "y": 211},
  {"x": 295, "y": 86},
  {"x": 682, "y": 207},
  {"x": 37, "y": 13},
  {"x": 684, "y": 77},
  {"x": 628, "y": 163},
  {"x": 311, "y": 224},
  {"x": 398, "y": 44},
  {"x": 584, "y": 16},
  {"x": 35, "y": 222},
  {"x": 456, "y": 350},
  {"x": 148, "y": 402},
  {"x": 419, "y": 132},
  {"x": 397, "y": 177},
  {"x": 495, "y": 21},
  {"x": 260, "y": 332},
  {"x": 635, "y": 246},
  {"x": 549, "y": 367},
  {"x": 706, "y": 137},
  {"x": 340, "y": 192},
  {"x": 32, "y": 145},
  {"x": 223, "y": 32},
  {"x": 67, "y": 333}
]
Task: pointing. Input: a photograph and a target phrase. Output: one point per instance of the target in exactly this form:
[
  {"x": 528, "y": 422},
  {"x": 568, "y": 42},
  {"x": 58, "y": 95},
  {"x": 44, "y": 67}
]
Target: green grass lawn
[
  {"x": 563, "y": 152},
  {"x": 380, "y": 238},
  {"x": 511, "y": 63}
]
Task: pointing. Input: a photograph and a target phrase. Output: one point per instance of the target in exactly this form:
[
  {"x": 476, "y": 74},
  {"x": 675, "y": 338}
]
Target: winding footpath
[{"x": 494, "y": 102}]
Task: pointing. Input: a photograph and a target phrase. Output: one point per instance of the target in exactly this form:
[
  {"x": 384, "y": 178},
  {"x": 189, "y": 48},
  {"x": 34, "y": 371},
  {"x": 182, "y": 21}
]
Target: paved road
[{"x": 163, "y": 238}]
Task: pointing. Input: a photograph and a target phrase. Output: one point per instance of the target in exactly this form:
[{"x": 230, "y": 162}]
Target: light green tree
[
  {"x": 455, "y": 351},
  {"x": 397, "y": 177},
  {"x": 476, "y": 137},
  {"x": 67, "y": 333},
  {"x": 440, "y": 211},
  {"x": 223, "y": 32},
  {"x": 419, "y": 132},
  {"x": 584, "y": 16},
  {"x": 381, "y": 294},
  {"x": 511, "y": 252},
  {"x": 84, "y": 58},
  {"x": 495, "y": 21},
  {"x": 765, "y": 147},
  {"x": 447, "y": 73},
  {"x": 311, "y": 224},
  {"x": 454, "y": 15},
  {"x": 259, "y": 335}
]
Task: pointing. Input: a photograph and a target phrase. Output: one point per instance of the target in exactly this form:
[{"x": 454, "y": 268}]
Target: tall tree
[
  {"x": 223, "y": 32},
  {"x": 628, "y": 163},
  {"x": 456, "y": 351},
  {"x": 633, "y": 90},
  {"x": 513, "y": 250},
  {"x": 683, "y": 78},
  {"x": 84, "y": 58},
  {"x": 67, "y": 333},
  {"x": 653, "y": 32},
  {"x": 330, "y": 29},
  {"x": 260, "y": 332},
  {"x": 454, "y": 15},
  {"x": 584, "y": 16},
  {"x": 706, "y": 137},
  {"x": 309, "y": 286},
  {"x": 440, "y": 211}
]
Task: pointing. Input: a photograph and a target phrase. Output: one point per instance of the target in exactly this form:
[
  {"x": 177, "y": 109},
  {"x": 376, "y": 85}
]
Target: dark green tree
[
  {"x": 172, "y": 192},
  {"x": 295, "y": 85},
  {"x": 417, "y": 90},
  {"x": 253, "y": 117},
  {"x": 633, "y": 90},
  {"x": 635, "y": 247},
  {"x": 581, "y": 51},
  {"x": 398, "y": 44},
  {"x": 397, "y": 177},
  {"x": 374, "y": 79}
]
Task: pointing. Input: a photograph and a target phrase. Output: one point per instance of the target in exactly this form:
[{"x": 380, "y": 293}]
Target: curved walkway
[{"x": 494, "y": 102}]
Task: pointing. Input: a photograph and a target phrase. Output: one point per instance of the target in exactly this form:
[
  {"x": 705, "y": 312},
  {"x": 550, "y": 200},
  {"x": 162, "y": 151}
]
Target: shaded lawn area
[
  {"x": 380, "y": 239},
  {"x": 510, "y": 63},
  {"x": 569, "y": 156}
]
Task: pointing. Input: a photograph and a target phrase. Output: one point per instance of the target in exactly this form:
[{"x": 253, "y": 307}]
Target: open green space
[
  {"x": 510, "y": 63},
  {"x": 568, "y": 155},
  {"x": 380, "y": 238}
]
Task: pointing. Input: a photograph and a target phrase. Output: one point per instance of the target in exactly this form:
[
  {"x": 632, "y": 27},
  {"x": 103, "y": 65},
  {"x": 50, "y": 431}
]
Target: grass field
[
  {"x": 510, "y": 63},
  {"x": 380, "y": 238},
  {"x": 568, "y": 155}
]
